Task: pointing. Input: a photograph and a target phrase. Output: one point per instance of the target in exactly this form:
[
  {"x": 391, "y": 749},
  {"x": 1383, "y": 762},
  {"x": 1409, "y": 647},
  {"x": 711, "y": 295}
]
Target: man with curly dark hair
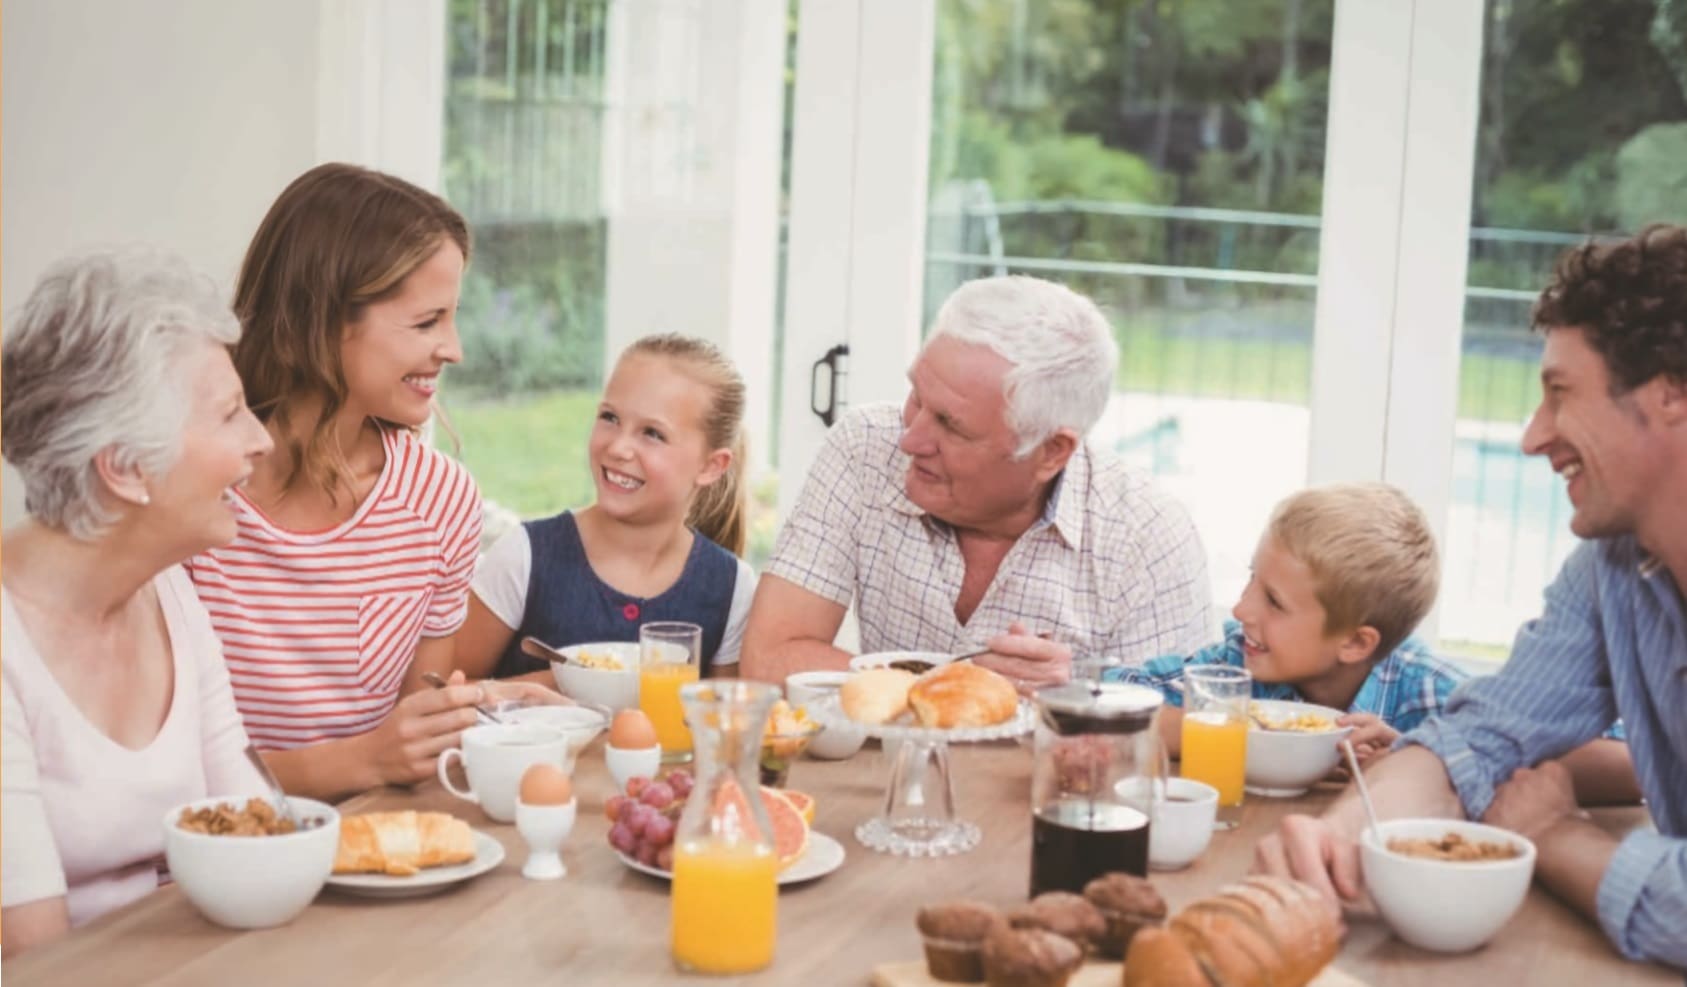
[{"x": 1611, "y": 641}]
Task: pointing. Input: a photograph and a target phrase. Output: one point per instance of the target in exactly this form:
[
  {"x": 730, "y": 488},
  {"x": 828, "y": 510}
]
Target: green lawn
[{"x": 527, "y": 452}]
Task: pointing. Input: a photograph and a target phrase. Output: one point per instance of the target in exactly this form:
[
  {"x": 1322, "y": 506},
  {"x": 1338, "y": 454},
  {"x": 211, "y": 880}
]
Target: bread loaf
[
  {"x": 962, "y": 694},
  {"x": 1265, "y": 931},
  {"x": 400, "y": 843},
  {"x": 876, "y": 696}
]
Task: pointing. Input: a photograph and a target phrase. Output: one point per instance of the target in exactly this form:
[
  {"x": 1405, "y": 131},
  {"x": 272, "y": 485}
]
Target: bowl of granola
[
  {"x": 245, "y": 866},
  {"x": 1445, "y": 885},
  {"x": 1291, "y": 746},
  {"x": 604, "y": 673}
]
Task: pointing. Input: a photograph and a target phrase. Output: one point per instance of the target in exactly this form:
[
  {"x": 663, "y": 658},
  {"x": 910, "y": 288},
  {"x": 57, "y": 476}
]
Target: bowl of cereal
[
  {"x": 1445, "y": 885},
  {"x": 1291, "y": 746},
  {"x": 604, "y": 673},
  {"x": 243, "y": 865}
]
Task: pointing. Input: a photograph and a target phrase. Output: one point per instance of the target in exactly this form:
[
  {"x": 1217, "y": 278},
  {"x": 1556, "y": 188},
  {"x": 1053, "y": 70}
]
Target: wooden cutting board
[{"x": 913, "y": 974}]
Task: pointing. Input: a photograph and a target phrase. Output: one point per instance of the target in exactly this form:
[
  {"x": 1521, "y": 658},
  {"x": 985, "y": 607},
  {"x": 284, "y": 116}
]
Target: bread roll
[
  {"x": 962, "y": 694},
  {"x": 1266, "y": 932},
  {"x": 876, "y": 696},
  {"x": 400, "y": 843}
]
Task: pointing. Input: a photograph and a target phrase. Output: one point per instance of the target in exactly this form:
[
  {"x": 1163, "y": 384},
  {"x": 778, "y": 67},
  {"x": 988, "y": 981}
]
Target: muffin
[
  {"x": 1029, "y": 958},
  {"x": 1064, "y": 914},
  {"x": 954, "y": 933},
  {"x": 1128, "y": 903}
]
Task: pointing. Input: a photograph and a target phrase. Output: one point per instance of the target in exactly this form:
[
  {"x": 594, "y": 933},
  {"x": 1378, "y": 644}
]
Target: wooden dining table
[{"x": 606, "y": 923}]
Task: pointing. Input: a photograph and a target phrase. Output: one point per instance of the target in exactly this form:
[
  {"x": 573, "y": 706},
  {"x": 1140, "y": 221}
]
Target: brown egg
[
  {"x": 632, "y": 730},
  {"x": 545, "y": 784}
]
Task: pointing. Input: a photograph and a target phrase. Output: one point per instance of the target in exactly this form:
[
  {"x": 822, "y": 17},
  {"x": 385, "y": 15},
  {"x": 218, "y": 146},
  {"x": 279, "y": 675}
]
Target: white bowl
[
  {"x": 1286, "y": 763},
  {"x": 879, "y": 659},
  {"x": 613, "y": 690},
  {"x": 1439, "y": 905},
  {"x": 831, "y": 743},
  {"x": 252, "y": 882},
  {"x": 580, "y": 724}
]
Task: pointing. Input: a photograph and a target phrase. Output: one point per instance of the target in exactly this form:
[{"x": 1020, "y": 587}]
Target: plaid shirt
[
  {"x": 1404, "y": 689},
  {"x": 1113, "y": 568}
]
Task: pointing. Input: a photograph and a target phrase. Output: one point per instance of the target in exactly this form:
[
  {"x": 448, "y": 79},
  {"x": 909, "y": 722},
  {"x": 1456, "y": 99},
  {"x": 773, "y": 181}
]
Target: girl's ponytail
[{"x": 718, "y": 512}]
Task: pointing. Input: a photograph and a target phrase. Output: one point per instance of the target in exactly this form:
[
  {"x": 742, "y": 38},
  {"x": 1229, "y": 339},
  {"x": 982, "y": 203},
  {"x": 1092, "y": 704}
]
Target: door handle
[{"x": 837, "y": 369}]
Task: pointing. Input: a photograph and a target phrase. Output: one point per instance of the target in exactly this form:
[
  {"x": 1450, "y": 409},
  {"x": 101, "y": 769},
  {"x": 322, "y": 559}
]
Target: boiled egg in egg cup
[
  {"x": 544, "y": 815},
  {"x": 632, "y": 750}
]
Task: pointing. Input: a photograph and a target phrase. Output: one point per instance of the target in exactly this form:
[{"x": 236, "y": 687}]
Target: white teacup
[
  {"x": 831, "y": 743},
  {"x": 494, "y": 757},
  {"x": 1181, "y": 820}
]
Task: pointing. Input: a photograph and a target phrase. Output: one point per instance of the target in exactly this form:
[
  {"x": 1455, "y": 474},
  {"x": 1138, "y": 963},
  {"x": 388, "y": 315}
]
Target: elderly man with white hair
[{"x": 979, "y": 517}]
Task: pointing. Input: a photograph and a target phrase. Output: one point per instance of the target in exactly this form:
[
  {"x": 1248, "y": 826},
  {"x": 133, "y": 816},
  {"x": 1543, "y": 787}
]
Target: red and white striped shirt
[{"x": 319, "y": 627}]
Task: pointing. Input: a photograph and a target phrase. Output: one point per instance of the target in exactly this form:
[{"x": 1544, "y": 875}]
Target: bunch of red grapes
[{"x": 644, "y": 818}]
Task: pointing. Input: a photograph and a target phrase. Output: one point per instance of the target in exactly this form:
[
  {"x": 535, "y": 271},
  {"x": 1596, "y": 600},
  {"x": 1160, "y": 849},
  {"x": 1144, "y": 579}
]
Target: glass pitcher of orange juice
[{"x": 726, "y": 873}]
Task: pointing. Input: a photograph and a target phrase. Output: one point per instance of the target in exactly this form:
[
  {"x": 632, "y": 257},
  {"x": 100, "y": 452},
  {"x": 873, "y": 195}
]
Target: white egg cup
[
  {"x": 544, "y": 827},
  {"x": 628, "y": 763}
]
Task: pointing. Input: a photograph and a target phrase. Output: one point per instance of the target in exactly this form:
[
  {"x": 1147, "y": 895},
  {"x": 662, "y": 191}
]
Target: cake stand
[{"x": 918, "y": 818}]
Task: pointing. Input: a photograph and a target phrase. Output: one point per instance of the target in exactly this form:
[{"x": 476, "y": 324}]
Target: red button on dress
[{"x": 630, "y": 611}]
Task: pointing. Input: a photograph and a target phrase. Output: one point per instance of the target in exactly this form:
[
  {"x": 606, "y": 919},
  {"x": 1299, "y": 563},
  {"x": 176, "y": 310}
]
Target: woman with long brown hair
[
  {"x": 356, "y": 543},
  {"x": 667, "y": 459}
]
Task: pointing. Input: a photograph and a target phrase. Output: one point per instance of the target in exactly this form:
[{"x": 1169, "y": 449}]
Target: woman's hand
[{"x": 422, "y": 726}]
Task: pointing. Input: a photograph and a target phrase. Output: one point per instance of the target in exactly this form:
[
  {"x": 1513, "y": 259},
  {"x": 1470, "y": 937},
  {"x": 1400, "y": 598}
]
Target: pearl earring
[{"x": 146, "y": 499}]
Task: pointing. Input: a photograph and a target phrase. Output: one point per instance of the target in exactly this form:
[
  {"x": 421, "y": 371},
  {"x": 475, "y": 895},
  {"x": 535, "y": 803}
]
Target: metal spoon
[
  {"x": 275, "y": 791},
  {"x": 535, "y": 648},
  {"x": 1364, "y": 792},
  {"x": 433, "y": 679}
]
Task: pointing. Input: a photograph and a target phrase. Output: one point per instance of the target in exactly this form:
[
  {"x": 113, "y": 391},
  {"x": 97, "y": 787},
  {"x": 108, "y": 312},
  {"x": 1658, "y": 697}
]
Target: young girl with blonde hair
[
  {"x": 356, "y": 541},
  {"x": 667, "y": 460}
]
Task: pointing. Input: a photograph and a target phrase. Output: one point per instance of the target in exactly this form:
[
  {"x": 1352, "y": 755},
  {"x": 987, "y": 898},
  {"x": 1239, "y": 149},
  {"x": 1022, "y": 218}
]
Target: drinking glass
[
  {"x": 668, "y": 653},
  {"x": 1215, "y": 733}
]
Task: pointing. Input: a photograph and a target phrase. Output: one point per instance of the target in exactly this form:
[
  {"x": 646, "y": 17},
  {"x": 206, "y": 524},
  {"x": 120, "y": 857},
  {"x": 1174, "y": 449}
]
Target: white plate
[
  {"x": 823, "y": 856},
  {"x": 488, "y": 853}
]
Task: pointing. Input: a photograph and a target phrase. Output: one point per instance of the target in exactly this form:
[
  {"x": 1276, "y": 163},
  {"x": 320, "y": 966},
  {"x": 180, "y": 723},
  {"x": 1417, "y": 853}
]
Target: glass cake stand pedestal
[{"x": 918, "y": 818}]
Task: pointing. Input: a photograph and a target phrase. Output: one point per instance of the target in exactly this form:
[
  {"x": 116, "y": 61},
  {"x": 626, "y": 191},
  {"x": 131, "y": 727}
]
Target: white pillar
[{"x": 691, "y": 181}]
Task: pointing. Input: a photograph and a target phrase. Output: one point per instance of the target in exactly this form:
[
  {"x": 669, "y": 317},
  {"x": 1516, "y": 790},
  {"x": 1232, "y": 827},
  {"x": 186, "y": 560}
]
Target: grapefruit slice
[
  {"x": 790, "y": 829},
  {"x": 804, "y": 803}
]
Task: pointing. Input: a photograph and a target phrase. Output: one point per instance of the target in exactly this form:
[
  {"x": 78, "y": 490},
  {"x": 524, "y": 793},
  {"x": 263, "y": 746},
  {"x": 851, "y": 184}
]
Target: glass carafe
[
  {"x": 726, "y": 870},
  {"x": 1099, "y": 764}
]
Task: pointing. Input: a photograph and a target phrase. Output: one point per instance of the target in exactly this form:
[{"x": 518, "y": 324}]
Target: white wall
[{"x": 176, "y": 122}]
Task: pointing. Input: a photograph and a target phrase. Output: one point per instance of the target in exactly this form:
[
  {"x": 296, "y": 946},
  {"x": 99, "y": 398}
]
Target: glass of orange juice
[
  {"x": 668, "y": 653},
  {"x": 1215, "y": 733}
]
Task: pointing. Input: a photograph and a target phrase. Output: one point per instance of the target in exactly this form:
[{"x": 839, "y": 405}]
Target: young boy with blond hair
[{"x": 1341, "y": 577}]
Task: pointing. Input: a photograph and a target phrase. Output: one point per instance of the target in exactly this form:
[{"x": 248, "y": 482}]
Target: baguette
[
  {"x": 399, "y": 844},
  {"x": 1265, "y": 932}
]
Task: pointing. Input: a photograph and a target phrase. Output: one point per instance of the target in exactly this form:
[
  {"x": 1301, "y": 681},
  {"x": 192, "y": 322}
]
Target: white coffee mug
[{"x": 494, "y": 757}]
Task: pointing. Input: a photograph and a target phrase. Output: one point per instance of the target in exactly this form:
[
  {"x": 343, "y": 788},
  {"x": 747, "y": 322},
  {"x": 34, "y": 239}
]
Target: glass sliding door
[
  {"x": 1583, "y": 132},
  {"x": 1166, "y": 159}
]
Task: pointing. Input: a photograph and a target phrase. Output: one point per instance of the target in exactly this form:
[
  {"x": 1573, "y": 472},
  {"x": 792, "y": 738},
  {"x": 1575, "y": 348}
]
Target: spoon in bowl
[
  {"x": 532, "y": 647},
  {"x": 281, "y": 803},
  {"x": 1359, "y": 780}
]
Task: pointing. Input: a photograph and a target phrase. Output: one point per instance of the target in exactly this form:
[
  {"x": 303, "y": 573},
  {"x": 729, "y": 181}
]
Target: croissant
[
  {"x": 400, "y": 843},
  {"x": 962, "y": 695},
  {"x": 1265, "y": 931}
]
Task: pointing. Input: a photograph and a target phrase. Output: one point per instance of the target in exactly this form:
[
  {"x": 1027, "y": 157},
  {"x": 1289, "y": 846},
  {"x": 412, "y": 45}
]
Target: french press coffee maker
[{"x": 1099, "y": 763}]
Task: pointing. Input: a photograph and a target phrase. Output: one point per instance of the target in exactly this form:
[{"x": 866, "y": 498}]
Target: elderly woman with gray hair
[{"x": 126, "y": 419}]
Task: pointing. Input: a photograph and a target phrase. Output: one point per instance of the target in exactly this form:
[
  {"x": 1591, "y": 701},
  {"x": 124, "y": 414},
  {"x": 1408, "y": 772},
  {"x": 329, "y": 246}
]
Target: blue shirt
[
  {"x": 1403, "y": 689},
  {"x": 1611, "y": 641}
]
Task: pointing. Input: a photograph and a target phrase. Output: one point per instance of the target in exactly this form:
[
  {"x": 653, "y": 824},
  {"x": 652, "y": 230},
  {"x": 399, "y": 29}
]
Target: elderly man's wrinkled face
[{"x": 954, "y": 425}]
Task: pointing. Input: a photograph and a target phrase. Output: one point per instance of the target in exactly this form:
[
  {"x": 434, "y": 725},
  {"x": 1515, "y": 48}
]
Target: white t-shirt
[{"x": 504, "y": 571}]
